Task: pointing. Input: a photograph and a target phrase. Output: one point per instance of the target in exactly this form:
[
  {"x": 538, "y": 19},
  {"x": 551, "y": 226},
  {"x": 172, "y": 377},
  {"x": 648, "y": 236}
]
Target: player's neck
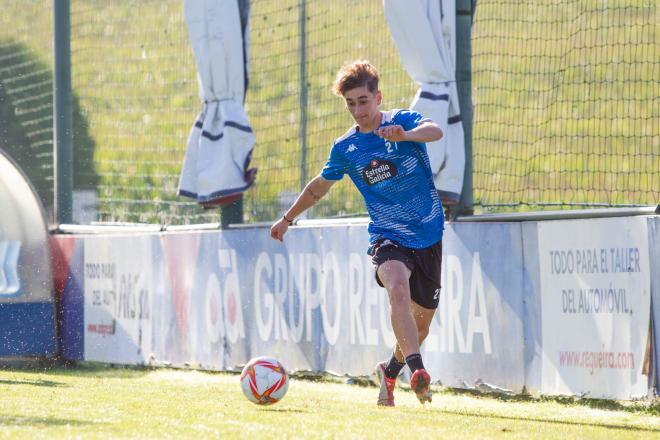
[{"x": 372, "y": 125}]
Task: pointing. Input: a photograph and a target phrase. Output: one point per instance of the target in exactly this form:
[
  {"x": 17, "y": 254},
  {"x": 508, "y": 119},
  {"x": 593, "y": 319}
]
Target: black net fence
[
  {"x": 566, "y": 104},
  {"x": 566, "y": 100}
]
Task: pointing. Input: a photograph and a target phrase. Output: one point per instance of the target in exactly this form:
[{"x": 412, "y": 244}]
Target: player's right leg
[
  {"x": 394, "y": 275},
  {"x": 394, "y": 265},
  {"x": 387, "y": 384}
]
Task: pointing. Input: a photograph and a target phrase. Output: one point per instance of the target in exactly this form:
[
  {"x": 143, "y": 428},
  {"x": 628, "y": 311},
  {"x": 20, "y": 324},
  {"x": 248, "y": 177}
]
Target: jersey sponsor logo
[
  {"x": 351, "y": 148},
  {"x": 10, "y": 283},
  {"x": 378, "y": 171}
]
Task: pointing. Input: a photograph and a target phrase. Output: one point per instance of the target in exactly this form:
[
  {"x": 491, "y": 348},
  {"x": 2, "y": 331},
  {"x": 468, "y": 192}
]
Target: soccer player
[{"x": 384, "y": 154}]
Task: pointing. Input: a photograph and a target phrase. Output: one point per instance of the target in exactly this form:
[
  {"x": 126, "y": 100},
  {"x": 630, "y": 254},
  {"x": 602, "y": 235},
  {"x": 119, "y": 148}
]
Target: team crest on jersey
[{"x": 378, "y": 171}]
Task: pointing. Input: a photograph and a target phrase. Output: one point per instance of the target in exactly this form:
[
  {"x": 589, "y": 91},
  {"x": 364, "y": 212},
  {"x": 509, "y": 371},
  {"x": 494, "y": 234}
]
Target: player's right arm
[{"x": 313, "y": 192}]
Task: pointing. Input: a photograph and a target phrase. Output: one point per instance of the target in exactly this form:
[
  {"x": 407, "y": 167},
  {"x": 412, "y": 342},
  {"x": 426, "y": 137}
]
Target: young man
[{"x": 385, "y": 156}]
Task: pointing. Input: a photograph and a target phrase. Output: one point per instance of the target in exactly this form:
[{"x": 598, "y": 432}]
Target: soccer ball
[{"x": 264, "y": 381}]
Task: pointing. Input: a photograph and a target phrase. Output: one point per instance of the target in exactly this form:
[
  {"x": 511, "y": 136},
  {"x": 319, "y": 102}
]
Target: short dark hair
[{"x": 356, "y": 74}]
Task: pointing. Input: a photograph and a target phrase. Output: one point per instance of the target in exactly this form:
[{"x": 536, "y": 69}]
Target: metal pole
[
  {"x": 303, "y": 94},
  {"x": 233, "y": 213},
  {"x": 62, "y": 113},
  {"x": 464, "y": 13}
]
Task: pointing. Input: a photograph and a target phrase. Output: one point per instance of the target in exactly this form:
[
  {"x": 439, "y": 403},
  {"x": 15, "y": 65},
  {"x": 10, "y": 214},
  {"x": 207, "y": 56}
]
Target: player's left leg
[
  {"x": 420, "y": 381},
  {"x": 425, "y": 296}
]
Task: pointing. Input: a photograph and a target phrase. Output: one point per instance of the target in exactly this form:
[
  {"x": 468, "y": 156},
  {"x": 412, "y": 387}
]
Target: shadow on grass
[
  {"x": 519, "y": 419},
  {"x": 37, "y": 383},
  {"x": 40, "y": 421},
  {"x": 284, "y": 410},
  {"x": 78, "y": 369},
  {"x": 652, "y": 408},
  {"x": 98, "y": 369}
]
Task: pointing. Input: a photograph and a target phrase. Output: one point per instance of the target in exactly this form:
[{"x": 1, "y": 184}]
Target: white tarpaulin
[
  {"x": 425, "y": 38},
  {"x": 215, "y": 167}
]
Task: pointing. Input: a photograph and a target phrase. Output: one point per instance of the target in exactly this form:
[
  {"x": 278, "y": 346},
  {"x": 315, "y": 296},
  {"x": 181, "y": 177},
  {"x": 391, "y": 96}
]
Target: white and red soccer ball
[{"x": 264, "y": 381}]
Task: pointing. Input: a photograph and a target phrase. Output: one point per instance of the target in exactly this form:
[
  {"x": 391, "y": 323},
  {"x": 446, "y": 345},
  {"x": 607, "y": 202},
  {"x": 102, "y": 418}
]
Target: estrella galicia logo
[
  {"x": 378, "y": 171},
  {"x": 10, "y": 283}
]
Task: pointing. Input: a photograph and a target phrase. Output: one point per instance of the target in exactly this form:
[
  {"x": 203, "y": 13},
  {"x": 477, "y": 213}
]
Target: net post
[
  {"x": 231, "y": 214},
  {"x": 62, "y": 113},
  {"x": 303, "y": 93},
  {"x": 464, "y": 15}
]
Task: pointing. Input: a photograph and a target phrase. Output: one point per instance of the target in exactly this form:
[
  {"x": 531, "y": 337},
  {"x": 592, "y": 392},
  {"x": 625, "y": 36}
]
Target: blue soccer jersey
[{"x": 395, "y": 180}]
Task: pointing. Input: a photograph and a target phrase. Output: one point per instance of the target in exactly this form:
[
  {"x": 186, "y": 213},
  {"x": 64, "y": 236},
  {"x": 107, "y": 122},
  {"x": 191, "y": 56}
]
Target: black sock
[
  {"x": 393, "y": 368},
  {"x": 414, "y": 361}
]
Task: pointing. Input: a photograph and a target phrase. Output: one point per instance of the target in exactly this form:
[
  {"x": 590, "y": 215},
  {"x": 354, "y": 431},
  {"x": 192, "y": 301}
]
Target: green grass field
[{"x": 95, "y": 401}]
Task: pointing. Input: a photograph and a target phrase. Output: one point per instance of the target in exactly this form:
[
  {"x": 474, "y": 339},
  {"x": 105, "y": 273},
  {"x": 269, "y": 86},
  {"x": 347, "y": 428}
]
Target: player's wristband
[{"x": 287, "y": 220}]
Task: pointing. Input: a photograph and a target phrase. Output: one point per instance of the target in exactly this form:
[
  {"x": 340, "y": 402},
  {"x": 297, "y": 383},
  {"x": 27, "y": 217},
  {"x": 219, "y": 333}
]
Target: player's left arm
[{"x": 427, "y": 131}]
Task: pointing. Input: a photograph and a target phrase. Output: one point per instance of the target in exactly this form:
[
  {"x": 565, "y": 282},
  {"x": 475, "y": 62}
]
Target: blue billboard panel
[
  {"x": 477, "y": 333},
  {"x": 216, "y": 299}
]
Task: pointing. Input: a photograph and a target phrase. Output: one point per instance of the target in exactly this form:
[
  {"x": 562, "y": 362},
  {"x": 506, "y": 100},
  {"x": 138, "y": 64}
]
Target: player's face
[{"x": 363, "y": 105}]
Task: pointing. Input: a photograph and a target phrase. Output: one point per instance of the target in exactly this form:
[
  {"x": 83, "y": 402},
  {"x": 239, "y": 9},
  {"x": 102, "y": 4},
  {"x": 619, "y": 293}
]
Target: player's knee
[{"x": 399, "y": 295}]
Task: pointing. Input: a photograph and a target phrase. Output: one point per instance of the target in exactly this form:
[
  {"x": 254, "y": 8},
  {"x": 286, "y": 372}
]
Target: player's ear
[{"x": 379, "y": 97}]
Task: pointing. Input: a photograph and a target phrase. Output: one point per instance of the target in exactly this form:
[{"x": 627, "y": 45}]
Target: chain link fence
[{"x": 566, "y": 102}]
